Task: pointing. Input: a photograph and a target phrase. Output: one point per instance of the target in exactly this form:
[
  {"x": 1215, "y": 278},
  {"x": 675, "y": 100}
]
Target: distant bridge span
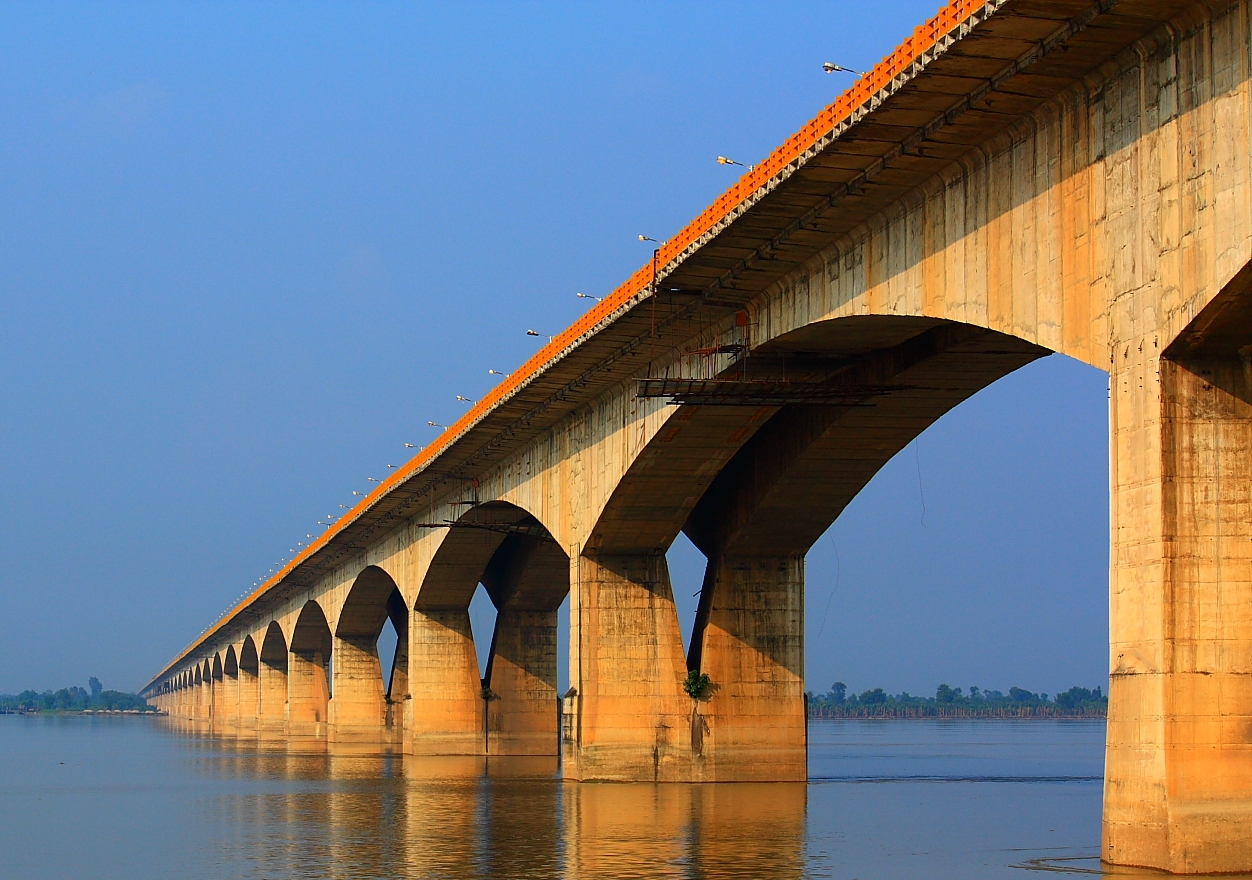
[{"x": 1019, "y": 177}]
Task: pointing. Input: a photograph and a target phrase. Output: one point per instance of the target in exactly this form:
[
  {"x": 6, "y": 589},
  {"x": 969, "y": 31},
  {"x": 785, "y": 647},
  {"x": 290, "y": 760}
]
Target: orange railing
[{"x": 923, "y": 39}]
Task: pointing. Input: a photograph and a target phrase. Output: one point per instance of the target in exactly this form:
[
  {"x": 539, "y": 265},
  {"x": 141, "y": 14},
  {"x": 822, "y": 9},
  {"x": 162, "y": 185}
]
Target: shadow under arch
[
  {"x": 512, "y": 710},
  {"x": 754, "y": 464},
  {"x": 362, "y": 707},
  {"x": 272, "y": 666},
  {"x": 309, "y": 672}
]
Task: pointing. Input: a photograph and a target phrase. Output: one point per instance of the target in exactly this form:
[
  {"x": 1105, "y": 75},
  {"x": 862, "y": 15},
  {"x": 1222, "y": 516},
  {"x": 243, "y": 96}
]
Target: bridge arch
[
  {"x": 272, "y": 668},
  {"x": 365, "y": 705},
  {"x": 309, "y": 672},
  {"x": 248, "y": 656},
  {"x": 511, "y": 708},
  {"x": 754, "y": 464}
]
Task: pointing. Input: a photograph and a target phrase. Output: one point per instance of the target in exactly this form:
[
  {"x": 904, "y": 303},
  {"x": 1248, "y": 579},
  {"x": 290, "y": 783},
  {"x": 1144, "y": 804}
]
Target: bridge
[{"x": 1019, "y": 177}]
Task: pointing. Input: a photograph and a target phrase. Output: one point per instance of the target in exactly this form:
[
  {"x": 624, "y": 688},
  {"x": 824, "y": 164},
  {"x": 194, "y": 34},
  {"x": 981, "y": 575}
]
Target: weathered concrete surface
[{"x": 1050, "y": 177}]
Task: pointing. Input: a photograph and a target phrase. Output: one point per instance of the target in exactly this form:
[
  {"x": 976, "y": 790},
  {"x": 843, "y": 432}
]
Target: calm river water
[{"x": 126, "y": 797}]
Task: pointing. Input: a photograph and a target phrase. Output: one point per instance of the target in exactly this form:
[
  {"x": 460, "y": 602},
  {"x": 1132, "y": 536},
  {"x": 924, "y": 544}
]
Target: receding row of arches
[
  {"x": 752, "y": 484},
  {"x": 321, "y": 680}
]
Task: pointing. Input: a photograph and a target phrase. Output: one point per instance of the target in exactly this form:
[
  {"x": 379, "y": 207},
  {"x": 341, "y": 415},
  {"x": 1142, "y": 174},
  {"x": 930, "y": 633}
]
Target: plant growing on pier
[{"x": 696, "y": 684}]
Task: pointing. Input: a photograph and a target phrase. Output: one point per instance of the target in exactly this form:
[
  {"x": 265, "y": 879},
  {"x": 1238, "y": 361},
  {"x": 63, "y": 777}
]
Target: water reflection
[
  {"x": 354, "y": 815},
  {"x": 884, "y": 801}
]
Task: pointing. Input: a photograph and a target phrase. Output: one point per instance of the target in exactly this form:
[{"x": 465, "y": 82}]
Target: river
[{"x": 123, "y": 797}]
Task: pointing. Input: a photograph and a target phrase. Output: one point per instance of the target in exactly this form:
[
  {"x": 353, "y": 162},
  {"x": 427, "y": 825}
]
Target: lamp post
[{"x": 831, "y": 67}]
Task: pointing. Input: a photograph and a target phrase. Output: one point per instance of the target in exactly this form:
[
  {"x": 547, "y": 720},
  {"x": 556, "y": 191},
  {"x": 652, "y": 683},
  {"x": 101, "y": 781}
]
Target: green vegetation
[
  {"x": 950, "y": 702},
  {"x": 696, "y": 684},
  {"x": 74, "y": 700}
]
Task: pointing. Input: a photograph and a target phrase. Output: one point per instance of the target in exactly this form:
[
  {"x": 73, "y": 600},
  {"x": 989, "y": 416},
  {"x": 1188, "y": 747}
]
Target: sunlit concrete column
[
  {"x": 200, "y": 711},
  {"x": 521, "y": 678},
  {"x": 750, "y": 724},
  {"x": 249, "y": 694},
  {"x": 358, "y": 711},
  {"x": 446, "y": 714},
  {"x": 271, "y": 698},
  {"x": 228, "y": 714},
  {"x": 308, "y": 694},
  {"x": 628, "y": 716},
  {"x": 212, "y": 691},
  {"x": 1178, "y": 773}
]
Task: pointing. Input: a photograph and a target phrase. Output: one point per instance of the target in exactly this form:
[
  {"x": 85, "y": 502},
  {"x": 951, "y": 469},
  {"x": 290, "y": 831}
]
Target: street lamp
[{"x": 831, "y": 67}]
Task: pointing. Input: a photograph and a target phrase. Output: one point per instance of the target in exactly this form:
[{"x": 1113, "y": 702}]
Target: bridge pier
[
  {"x": 204, "y": 700},
  {"x": 229, "y": 719},
  {"x": 1178, "y": 778},
  {"x": 357, "y": 712},
  {"x": 445, "y": 714},
  {"x": 308, "y": 674},
  {"x": 628, "y": 718},
  {"x": 521, "y": 676},
  {"x": 308, "y": 694},
  {"x": 360, "y": 712},
  {"x": 272, "y": 683},
  {"x": 249, "y": 688},
  {"x": 271, "y": 698},
  {"x": 749, "y": 640}
]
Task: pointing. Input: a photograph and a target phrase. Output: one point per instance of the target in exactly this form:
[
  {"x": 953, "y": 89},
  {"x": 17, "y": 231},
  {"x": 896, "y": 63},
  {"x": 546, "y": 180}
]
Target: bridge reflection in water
[{"x": 332, "y": 812}]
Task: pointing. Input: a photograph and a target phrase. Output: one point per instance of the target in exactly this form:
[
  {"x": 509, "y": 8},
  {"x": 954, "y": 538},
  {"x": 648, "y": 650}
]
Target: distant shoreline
[{"x": 1025, "y": 713}]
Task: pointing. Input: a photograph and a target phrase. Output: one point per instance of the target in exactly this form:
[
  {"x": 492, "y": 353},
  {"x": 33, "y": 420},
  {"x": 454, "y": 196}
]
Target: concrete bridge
[{"x": 1020, "y": 177}]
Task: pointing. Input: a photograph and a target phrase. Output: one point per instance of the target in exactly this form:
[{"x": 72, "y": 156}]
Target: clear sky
[{"x": 247, "y": 251}]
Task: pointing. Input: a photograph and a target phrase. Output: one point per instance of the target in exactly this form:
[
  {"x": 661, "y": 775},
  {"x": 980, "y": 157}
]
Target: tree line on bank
[
  {"x": 74, "y": 699},
  {"x": 950, "y": 702}
]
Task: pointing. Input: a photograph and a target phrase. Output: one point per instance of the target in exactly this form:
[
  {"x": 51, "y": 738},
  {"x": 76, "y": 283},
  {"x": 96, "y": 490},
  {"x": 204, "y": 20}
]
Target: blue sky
[{"x": 247, "y": 251}]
